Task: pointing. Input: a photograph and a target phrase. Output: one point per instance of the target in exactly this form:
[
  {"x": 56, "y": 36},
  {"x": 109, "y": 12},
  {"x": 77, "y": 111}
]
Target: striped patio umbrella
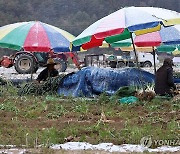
[
  {"x": 35, "y": 36},
  {"x": 121, "y": 24}
]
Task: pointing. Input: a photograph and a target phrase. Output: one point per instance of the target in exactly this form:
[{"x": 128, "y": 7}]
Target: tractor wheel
[
  {"x": 61, "y": 65},
  {"x": 112, "y": 64},
  {"x": 25, "y": 64},
  {"x": 120, "y": 64},
  {"x": 147, "y": 64}
]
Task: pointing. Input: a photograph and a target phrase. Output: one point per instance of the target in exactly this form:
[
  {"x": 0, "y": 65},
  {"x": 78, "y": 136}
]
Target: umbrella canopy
[
  {"x": 120, "y": 24},
  {"x": 162, "y": 48},
  {"x": 167, "y": 48},
  {"x": 176, "y": 52},
  {"x": 166, "y": 36},
  {"x": 125, "y": 45},
  {"x": 35, "y": 36},
  {"x": 166, "y": 39}
]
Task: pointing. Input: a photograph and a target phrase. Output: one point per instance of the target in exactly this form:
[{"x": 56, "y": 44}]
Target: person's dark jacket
[
  {"x": 46, "y": 73},
  {"x": 164, "y": 81}
]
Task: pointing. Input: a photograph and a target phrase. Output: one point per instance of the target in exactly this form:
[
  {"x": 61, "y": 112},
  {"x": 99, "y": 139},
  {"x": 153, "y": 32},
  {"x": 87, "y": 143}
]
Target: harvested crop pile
[
  {"x": 176, "y": 98},
  {"x": 2, "y": 81},
  {"x": 49, "y": 86}
]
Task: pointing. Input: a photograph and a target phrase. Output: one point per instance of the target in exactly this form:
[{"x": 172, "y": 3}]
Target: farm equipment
[
  {"x": 144, "y": 59},
  {"x": 107, "y": 60},
  {"x": 26, "y": 62},
  {"x": 120, "y": 61},
  {"x": 95, "y": 60}
]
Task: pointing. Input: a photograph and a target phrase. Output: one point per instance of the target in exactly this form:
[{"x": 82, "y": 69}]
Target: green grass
[{"x": 50, "y": 119}]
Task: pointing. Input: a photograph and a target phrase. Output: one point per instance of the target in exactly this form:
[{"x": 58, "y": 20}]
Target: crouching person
[
  {"x": 49, "y": 71},
  {"x": 164, "y": 81}
]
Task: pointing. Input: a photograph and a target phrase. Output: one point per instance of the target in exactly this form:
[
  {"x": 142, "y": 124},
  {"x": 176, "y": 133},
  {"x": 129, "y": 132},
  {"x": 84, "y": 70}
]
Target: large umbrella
[
  {"x": 35, "y": 36},
  {"x": 120, "y": 25}
]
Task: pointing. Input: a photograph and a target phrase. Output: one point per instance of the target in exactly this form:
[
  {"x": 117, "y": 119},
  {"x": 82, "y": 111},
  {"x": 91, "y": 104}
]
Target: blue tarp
[
  {"x": 92, "y": 81},
  {"x": 177, "y": 80}
]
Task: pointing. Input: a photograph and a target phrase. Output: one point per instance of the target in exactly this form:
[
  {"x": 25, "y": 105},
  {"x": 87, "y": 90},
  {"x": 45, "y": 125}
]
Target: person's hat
[{"x": 50, "y": 61}]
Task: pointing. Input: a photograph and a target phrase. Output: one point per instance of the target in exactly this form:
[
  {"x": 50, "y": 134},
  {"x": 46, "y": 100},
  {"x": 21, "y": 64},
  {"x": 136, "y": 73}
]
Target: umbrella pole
[
  {"x": 32, "y": 70},
  {"x": 154, "y": 58},
  {"x": 134, "y": 49},
  {"x": 137, "y": 63}
]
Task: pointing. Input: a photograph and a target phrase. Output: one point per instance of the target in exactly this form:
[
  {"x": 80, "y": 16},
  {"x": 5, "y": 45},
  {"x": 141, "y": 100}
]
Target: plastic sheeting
[
  {"x": 177, "y": 80},
  {"x": 92, "y": 81}
]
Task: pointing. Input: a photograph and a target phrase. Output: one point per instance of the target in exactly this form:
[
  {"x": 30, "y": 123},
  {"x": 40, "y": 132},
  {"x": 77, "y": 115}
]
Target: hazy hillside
[{"x": 70, "y": 15}]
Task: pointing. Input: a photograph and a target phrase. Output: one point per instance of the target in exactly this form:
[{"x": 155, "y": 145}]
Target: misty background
[{"x": 70, "y": 15}]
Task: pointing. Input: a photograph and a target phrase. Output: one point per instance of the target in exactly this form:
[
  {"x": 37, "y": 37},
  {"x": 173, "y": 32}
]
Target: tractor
[{"x": 26, "y": 62}]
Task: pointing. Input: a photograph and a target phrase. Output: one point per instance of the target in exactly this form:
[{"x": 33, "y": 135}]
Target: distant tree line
[{"x": 71, "y": 15}]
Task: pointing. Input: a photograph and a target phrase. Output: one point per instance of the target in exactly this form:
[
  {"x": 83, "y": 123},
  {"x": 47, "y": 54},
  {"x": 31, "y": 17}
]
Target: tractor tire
[
  {"x": 61, "y": 65},
  {"x": 120, "y": 64},
  {"x": 147, "y": 64},
  {"x": 112, "y": 64},
  {"x": 25, "y": 64}
]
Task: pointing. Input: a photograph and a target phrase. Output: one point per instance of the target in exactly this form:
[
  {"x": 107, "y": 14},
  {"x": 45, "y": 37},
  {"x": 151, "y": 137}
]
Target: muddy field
[{"x": 53, "y": 124}]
